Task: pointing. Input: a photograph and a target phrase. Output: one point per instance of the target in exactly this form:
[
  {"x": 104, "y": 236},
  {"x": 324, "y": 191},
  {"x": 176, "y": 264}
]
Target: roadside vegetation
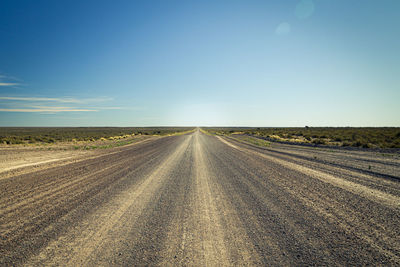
[
  {"x": 50, "y": 135},
  {"x": 365, "y": 137},
  {"x": 252, "y": 140}
]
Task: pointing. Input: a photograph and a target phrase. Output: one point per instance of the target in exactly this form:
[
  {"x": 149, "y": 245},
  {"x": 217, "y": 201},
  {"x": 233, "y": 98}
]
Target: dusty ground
[
  {"x": 18, "y": 159},
  {"x": 12, "y": 158},
  {"x": 202, "y": 200}
]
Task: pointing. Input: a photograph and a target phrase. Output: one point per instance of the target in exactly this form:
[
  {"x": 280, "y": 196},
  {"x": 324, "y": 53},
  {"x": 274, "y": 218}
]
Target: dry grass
[
  {"x": 367, "y": 137},
  {"x": 49, "y": 135}
]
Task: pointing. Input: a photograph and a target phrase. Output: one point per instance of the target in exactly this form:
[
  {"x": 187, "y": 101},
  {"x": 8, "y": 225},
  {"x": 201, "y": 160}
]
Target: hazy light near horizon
[{"x": 198, "y": 114}]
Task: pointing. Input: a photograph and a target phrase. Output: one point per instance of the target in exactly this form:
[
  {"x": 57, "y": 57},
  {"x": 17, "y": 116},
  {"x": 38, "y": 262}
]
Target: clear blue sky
[{"x": 226, "y": 63}]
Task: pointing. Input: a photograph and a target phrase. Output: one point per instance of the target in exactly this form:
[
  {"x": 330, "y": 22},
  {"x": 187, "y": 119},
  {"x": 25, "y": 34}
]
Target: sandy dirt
[{"x": 18, "y": 159}]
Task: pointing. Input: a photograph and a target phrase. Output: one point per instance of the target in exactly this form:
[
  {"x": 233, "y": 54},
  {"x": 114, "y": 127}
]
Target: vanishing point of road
[{"x": 202, "y": 200}]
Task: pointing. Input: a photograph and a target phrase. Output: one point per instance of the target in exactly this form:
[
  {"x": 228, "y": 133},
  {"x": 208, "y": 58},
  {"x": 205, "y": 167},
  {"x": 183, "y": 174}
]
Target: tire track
[
  {"x": 93, "y": 233},
  {"x": 350, "y": 216},
  {"x": 43, "y": 223},
  {"x": 364, "y": 191}
]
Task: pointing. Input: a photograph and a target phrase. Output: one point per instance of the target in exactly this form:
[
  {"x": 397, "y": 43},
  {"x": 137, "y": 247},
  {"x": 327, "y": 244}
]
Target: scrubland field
[
  {"x": 367, "y": 137},
  {"x": 199, "y": 197},
  {"x": 40, "y": 135}
]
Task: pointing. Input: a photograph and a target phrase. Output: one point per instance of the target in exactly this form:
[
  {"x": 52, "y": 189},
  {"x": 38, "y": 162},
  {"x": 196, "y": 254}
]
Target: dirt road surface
[{"x": 200, "y": 200}]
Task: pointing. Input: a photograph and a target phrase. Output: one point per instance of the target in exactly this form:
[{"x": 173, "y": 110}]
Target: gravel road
[{"x": 203, "y": 200}]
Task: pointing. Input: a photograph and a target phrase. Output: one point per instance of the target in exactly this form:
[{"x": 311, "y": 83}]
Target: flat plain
[{"x": 199, "y": 199}]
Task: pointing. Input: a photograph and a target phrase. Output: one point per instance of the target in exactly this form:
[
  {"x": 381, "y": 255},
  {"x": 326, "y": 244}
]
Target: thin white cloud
[
  {"x": 47, "y": 109},
  {"x": 96, "y": 99},
  {"x": 6, "y": 80},
  {"x": 110, "y": 108},
  {"x": 64, "y": 100},
  {"x": 53, "y": 99},
  {"x": 50, "y": 105},
  {"x": 8, "y": 77},
  {"x": 8, "y": 84}
]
